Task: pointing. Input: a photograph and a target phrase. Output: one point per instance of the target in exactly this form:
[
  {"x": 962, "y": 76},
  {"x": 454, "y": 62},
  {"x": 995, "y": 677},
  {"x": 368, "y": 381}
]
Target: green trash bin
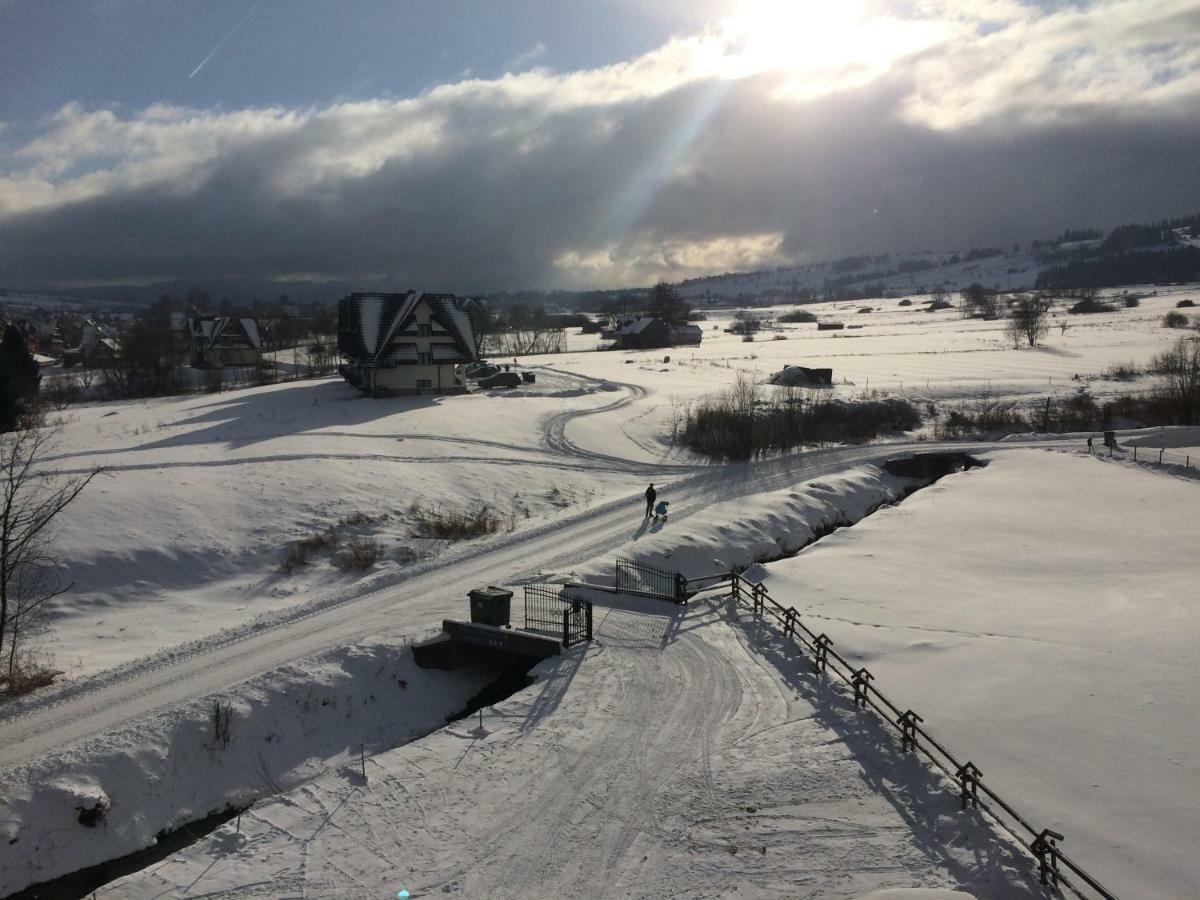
[{"x": 491, "y": 606}]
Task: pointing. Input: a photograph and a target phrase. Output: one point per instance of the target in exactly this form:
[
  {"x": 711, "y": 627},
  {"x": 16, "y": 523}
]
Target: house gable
[{"x": 385, "y": 330}]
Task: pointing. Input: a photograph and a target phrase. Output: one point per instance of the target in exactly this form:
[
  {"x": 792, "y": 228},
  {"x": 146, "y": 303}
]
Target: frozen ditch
[{"x": 760, "y": 528}]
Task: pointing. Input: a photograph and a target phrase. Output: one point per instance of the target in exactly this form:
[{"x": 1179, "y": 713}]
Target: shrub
[
  {"x": 361, "y": 518},
  {"x": 360, "y": 553},
  {"x": 1185, "y": 304},
  {"x": 452, "y": 524},
  {"x": 61, "y": 392},
  {"x": 91, "y": 816},
  {"x": 737, "y": 424},
  {"x": 1091, "y": 305},
  {"x": 746, "y": 323},
  {"x": 1123, "y": 371},
  {"x": 983, "y": 416},
  {"x": 299, "y": 552},
  {"x": 27, "y": 676},
  {"x": 798, "y": 315},
  {"x": 1175, "y": 320},
  {"x": 1132, "y": 302},
  {"x": 905, "y": 302}
]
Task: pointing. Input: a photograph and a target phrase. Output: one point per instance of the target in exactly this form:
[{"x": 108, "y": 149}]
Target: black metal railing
[
  {"x": 645, "y": 580},
  {"x": 1042, "y": 845},
  {"x": 552, "y": 609},
  {"x": 576, "y": 620}
]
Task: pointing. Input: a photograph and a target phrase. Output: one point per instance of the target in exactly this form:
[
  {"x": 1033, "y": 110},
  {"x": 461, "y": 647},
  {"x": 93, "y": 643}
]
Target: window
[{"x": 424, "y": 386}]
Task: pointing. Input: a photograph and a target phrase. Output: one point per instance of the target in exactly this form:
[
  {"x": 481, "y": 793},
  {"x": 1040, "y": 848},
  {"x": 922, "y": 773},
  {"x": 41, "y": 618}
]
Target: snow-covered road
[
  {"x": 770, "y": 785},
  {"x": 409, "y": 602}
]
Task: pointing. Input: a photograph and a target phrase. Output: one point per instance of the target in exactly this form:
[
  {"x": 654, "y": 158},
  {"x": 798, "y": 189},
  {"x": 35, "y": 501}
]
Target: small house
[
  {"x": 686, "y": 335},
  {"x": 411, "y": 343},
  {"x": 644, "y": 334},
  {"x": 98, "y": 346},
  {"x": 217, "y": 341}
]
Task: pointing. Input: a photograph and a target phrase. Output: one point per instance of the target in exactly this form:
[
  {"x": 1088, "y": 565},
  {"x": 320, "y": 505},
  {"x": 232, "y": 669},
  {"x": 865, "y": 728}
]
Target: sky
[{"x": 484, "y": 145}]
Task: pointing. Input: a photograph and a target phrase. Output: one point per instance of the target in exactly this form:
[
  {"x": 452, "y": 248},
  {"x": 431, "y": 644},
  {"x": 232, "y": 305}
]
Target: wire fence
[
  {"x": 1150, "y": 456},
  {"x": 1055, "y": 868}
]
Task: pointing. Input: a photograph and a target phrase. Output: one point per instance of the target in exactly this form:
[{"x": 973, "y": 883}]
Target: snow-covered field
[
  {"x": 688, "y": 753},
  {"x": 206, "y": 492},
  {"x": 176, "y": 558},
  {"x": 1041, "y": 613}
]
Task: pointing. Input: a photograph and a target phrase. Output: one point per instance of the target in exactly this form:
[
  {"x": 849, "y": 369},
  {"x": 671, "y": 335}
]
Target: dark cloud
[{"x": 524, "y": 191}]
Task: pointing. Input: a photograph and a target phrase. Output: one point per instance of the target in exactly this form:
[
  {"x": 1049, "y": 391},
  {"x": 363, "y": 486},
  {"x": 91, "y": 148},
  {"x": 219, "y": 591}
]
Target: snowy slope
[{"x": 1041, "y": 615}]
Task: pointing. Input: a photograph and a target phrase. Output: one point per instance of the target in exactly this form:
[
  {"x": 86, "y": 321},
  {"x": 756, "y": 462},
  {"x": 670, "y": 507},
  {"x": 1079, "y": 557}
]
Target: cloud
[
  {"x": 997, "y": 122},
  {"x": 523, "y": 60}
]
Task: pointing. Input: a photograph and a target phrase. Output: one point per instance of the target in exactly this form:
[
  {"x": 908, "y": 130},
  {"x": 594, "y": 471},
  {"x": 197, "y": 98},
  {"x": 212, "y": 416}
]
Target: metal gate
[
  {"x": 650, "y": 581},
  {"x": 551, "y": 609}
]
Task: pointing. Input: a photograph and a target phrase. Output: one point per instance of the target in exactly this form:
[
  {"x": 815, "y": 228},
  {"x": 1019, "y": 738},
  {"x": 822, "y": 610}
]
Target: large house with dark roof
[{"x": 413, "y": 343}]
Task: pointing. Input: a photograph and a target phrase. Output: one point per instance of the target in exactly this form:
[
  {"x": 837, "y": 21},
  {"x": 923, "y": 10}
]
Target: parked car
[
  {"x": 482, "y": 370},
  {"x": 501, "y": 380}
]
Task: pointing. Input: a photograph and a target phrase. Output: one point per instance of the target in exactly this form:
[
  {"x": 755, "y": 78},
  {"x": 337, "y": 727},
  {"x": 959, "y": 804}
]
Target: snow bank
[
  {"x": 265, "y": 736},
  {"x": 738, "y": 533}
]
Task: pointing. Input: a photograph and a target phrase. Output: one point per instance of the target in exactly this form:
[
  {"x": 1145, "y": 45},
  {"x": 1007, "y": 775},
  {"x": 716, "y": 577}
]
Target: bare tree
[
  {"x": 30, "y": 501},
  {"x": 1180, "y": 366},
  {"x": 1029, "y": 320},
  {"x": 320, "y": 354},
  {"x": 666, "y": 303},
  {"x": 527, "y": 341},
  {"x": 979, "y": 302}
]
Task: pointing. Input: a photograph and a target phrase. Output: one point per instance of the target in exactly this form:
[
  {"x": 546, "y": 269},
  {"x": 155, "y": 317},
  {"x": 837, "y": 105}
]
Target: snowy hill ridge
[{"x": 888, "y": 274}]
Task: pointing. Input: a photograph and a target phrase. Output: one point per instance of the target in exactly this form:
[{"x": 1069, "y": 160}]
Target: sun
[
  {"x": 799, "y": 34},
  {"x": 821, "y": 46}
]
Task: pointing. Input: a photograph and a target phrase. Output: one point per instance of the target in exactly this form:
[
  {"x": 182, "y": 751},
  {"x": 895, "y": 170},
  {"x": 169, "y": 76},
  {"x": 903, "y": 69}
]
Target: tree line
[{"x": 1178, "y": 264}]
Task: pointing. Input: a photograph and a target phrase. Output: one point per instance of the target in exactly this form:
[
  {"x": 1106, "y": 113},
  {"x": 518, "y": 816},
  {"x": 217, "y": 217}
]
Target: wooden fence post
[
  {"x": 1045, "y": 848},
  {"x": 860, "y": 681},
  {"x": 968, "y": 778},
  {"x": 908, "y": 729}
]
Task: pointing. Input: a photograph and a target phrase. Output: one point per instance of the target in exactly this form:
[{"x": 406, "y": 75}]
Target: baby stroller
[{"x": 660, "y": 511}]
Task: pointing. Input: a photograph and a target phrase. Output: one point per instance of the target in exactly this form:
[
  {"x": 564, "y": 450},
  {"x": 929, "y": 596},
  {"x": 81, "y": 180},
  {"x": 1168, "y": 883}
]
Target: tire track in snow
[{"x": 554, "y": 436}]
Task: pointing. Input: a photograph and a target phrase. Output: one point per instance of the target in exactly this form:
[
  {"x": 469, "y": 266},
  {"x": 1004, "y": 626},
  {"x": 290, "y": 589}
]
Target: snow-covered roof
[
  {"x": 250, "y": 326},
  {"x": 637, "y": 326},
  {"x": 210, "y": 329},
  {"x": 370, "y": 323}
]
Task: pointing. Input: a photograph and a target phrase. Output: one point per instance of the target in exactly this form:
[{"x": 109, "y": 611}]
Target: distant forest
[
  {"x": 1133, "y": 237},
  {"x": 1133, "y": 267}
]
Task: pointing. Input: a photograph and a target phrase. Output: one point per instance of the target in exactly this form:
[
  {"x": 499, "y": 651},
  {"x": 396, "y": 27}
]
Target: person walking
[{"x": 650, "y": 495}]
